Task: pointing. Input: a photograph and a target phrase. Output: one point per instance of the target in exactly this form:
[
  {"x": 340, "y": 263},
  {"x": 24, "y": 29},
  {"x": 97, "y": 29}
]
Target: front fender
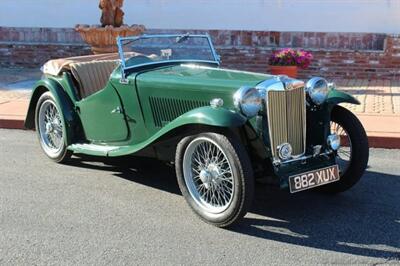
[
  {"x": 336, "y": 97},
  {"x": 219, "y": 117},
  {"x": 63, "y": 102},
  {"x": 209, "y": 116}
]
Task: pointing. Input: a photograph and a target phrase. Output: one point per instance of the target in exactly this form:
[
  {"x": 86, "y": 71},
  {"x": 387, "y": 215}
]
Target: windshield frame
[{"x": 149, "y": 36}]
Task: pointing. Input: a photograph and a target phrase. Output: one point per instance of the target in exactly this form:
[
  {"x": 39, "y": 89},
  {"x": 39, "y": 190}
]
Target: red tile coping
[
  {"x": 384, "y": 142},
  {"x": 11, "y": 122}
]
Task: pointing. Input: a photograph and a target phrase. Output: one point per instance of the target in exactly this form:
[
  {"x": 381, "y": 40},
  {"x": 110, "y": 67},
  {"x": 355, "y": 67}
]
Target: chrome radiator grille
[{"x": 287, "y": 119}]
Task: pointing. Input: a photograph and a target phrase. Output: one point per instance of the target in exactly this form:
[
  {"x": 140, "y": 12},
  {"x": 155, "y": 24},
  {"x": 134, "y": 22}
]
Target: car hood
[{"x": 202, "y": 77}]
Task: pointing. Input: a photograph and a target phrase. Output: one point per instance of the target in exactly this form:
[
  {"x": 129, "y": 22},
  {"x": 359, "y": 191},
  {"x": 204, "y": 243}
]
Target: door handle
[{"x": 117, "y": 110}]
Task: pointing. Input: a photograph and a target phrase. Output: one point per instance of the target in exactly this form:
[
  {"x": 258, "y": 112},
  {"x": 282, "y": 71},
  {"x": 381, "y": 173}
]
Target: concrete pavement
[
  {"x": 93, "y": 212},
  {"x": 379, "y": 111}
]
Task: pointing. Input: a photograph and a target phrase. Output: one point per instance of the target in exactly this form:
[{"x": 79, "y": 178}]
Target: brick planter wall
[
  {"x": 31, "y": 47},
  {"x": 358, "y": 55}
]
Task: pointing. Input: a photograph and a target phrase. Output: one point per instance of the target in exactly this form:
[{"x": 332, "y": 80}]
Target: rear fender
[{"x": 63, "y": 102}]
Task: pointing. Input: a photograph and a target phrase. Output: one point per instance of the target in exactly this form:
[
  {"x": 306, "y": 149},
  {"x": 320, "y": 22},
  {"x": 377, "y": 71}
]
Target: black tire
[
  {"x": 359, "y": 150},
  {"x": 63, "y": 154},
  {"x": 242, "y": 173}
]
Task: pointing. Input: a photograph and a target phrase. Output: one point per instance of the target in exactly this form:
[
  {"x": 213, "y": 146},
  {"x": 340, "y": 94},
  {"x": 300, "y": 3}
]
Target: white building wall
[{"x": 381, "y": 16}]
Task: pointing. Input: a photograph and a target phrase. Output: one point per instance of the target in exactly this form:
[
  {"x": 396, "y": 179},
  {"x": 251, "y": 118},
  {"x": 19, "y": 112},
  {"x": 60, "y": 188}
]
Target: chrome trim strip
[
  {"x": 148, "y": 36},
  {"x": 182, "y": 61}
]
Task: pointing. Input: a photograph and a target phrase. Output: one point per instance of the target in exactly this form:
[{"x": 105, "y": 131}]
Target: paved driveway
[{"x": 93, "y": 212}]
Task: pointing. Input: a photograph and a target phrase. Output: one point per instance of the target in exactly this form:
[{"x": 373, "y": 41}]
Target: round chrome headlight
[
  {"x": 318, "y": 89},
  {"x": 248, "y": 101}
]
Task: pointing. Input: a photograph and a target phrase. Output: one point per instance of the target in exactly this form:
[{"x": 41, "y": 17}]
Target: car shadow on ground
[{"x": 363, "y": 221}]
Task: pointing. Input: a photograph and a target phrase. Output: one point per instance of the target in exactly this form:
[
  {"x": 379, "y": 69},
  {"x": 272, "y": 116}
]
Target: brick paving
[
  {"x": 376, "y": 96},
  {"x": 10, "y": 78},
  {"x": 379, "y": 111},
  {"x": 15, "y": 92},
  {"x": 6, "y": 95}
]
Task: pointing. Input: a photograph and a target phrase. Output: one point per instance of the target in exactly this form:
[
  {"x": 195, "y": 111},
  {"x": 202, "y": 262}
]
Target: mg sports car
[{"x": 166, "y": 97}]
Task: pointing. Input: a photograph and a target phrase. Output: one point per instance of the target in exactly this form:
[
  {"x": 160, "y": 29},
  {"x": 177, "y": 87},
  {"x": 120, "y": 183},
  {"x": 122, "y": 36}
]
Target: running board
[{"x": 92, "y": 149}]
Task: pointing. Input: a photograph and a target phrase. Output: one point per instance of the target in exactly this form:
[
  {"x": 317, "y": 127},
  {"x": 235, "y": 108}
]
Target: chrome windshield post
[
  {"x": 121, "y": 56},
  {"x": 217, "y": 58}
]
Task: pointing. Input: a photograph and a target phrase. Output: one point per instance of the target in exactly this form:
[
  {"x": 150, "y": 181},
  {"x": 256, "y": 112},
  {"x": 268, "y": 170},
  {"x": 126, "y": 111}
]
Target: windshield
[{"x": 151, "y": 49}]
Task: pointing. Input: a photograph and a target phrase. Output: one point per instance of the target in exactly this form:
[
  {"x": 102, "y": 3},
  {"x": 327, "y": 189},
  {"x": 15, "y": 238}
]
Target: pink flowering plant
[{"x": 290, "y": 57}]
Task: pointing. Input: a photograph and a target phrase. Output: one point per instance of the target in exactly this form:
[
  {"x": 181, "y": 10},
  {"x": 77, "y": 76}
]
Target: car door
[{"x": 102, "y": 116}]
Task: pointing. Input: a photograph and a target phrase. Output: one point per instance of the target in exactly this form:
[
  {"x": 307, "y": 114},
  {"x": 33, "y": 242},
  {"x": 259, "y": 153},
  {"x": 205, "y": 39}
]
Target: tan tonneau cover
[{"x": 54, "y": 67}]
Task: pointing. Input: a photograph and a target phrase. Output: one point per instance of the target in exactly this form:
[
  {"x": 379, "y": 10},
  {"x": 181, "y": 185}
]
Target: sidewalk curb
[
  {"x": 384, "y": 142},
  {"x": 374, "y": 141},
  {"x": 11, "y": 123}
]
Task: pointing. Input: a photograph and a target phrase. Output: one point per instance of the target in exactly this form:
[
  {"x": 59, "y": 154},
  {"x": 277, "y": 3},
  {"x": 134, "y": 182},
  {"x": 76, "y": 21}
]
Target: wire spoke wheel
[
  {"x": 215, "y": 176},
  {"x": 208, "y": 175},
  {"x": 50, "y": 128},
  {"x": 344, "y": 153}
]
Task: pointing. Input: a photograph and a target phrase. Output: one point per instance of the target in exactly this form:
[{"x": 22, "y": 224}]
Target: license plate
[{"x": 313, "y": 178}]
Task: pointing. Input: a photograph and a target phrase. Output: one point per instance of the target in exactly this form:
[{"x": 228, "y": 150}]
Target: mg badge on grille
[{"x": 285, "y": 151}]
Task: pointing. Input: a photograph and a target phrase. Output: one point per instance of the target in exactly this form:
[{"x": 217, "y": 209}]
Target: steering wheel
[{"x": 138, "y": 60}]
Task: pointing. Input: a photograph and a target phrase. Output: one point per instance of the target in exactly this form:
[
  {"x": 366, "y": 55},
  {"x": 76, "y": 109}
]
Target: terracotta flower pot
[
  {"x": 290, "y": 71},
  {"x": 104, "y": 39}
]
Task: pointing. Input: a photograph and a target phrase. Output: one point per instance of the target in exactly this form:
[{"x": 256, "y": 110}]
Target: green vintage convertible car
[{"x": 165, "y": 96}]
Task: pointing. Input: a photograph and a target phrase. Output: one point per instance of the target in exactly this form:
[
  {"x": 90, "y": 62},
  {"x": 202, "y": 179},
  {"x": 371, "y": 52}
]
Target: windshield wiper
[{"x": 182, "y": 38}]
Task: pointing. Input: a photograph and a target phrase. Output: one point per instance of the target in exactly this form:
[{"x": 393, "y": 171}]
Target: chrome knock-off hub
[
  {"x": 210, "y": 175},
  {"x": 49, "y": 128}
]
